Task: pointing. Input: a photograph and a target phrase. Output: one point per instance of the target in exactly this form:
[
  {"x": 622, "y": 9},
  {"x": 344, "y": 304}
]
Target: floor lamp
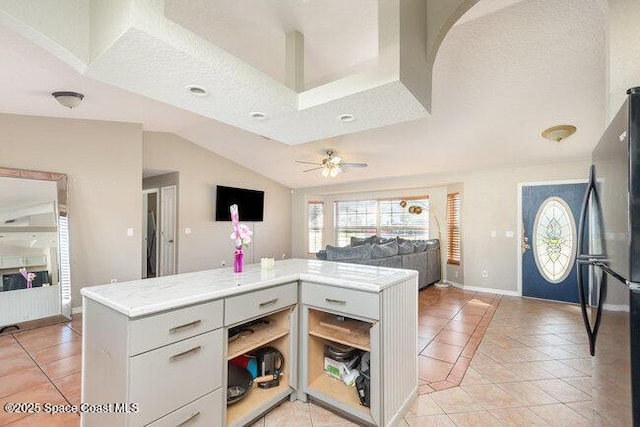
[{"x": 416, "y": 208}]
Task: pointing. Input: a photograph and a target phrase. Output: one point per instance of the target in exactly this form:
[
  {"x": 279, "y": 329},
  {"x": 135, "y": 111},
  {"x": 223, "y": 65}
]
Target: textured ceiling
[
  {"x": 340, "y": 37},
  {"x": 506, "y": 71}
]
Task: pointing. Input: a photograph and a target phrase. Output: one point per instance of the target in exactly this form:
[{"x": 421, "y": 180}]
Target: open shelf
[
  {"x": 337, "y": 390},
  {"x": 262, "y": 335},
  {"x": 256, "y": 398},
  {"x": 351, "y": 332}
]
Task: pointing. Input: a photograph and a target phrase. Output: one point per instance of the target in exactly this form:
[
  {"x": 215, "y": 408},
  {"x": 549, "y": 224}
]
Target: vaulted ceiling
[{"x": 504, "y": 72}]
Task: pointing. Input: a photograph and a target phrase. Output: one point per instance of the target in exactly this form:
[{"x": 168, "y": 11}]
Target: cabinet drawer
[
  {"x": 170, "y": 377},
  {"x": 243, "y": 307},
  {"x": 347, "y": 301},
  {"x": 158, "y": 330},
  {"x": 204, "y": 412}
]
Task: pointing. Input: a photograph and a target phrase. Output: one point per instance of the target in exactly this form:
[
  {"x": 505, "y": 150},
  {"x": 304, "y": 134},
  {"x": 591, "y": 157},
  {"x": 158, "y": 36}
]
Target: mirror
[{"x": 35, "y": 280}]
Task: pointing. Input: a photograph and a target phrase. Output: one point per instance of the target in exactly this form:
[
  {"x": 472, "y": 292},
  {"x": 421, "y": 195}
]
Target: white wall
[
  {"x": 200, "y": 171},
  {"x": 489, "y": 202},
  {"x": 103, "y": 161}
]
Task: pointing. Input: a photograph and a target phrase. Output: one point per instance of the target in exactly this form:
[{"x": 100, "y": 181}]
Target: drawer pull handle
[
  {"x": 266, "y": 303},
  {"x": 335, "y": 301},
  {"x": 185, "y": 326},
  {"x": 188, "y": 420},
  {"x": 186, "y": 353}
]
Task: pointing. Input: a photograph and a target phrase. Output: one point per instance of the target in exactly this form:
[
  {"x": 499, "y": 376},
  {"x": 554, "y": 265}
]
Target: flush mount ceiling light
[
  {"x": 257, "y": 115},
  {"x": 68, "y": 99},
  {"x": 197, "y": 90},
  {"x": 558, "y": 133},
  {"x": 347, "y": 118}
]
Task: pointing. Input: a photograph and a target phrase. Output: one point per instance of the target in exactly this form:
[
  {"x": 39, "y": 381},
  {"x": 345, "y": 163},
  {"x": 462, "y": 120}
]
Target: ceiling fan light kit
[{"x": 331, "y": 165}]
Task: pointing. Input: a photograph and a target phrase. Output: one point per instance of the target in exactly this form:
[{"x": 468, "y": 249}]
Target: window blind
[
  {"x": 453, "y": 228},
  {"x": 316, "y": 221}
]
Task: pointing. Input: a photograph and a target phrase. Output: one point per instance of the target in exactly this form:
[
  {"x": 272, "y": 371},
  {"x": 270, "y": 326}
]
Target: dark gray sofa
[{"x": 421, "y": 255}]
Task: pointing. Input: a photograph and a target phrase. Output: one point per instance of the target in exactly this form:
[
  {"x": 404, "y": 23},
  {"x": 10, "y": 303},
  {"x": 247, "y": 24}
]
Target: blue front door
[{"x": 550, "y": 215}]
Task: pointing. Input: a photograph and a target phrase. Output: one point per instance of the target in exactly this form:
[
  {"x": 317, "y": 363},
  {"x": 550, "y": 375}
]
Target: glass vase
[{"x": 238, "y": 260}]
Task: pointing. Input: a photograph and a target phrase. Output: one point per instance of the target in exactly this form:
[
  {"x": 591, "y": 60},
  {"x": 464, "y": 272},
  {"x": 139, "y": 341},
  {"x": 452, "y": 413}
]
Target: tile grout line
[{"x": 43, "y": 372}]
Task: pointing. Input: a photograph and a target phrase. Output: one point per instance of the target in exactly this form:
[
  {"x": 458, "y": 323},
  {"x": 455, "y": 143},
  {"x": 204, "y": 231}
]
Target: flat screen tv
[{"x": 250, "y": 203}]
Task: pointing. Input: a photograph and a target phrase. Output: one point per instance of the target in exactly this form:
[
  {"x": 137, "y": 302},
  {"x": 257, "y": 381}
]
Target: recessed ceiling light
[
  {"x": 197, "y": 90},
  {"x": 347, "y": 118},
  {"x": 257, "y": 115}
]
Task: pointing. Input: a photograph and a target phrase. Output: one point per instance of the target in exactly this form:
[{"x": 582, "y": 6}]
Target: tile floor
[{"x": 531, "y": 367}]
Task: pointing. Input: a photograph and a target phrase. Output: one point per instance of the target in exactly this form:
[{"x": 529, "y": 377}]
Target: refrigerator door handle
[{"x": 585, "y": 258}]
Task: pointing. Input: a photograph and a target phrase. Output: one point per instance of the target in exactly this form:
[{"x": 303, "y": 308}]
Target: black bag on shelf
[{"x": 362, "y": 386}]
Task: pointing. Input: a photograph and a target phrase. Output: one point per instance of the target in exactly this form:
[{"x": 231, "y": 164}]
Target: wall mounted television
[{"x": 250, "y": 203}]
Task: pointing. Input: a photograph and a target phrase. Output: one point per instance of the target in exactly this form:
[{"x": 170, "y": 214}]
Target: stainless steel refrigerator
[{"x": 609, "y": 268}]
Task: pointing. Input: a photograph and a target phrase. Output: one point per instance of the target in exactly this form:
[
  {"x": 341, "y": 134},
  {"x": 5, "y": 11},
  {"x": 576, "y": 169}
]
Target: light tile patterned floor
[{"x": 531, "y": 368}]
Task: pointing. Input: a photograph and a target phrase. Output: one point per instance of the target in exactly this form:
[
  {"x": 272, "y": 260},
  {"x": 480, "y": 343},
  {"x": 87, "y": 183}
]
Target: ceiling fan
[{"x": 332, "y": 165}]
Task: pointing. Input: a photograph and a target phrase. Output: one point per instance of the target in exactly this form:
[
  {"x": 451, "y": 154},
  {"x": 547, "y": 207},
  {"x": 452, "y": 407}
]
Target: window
[
  {"x": 384, "y": 217},
  {"x": 316, "y": 220},
  {"x": 554, "y": 246},
  {"x": 453, "y": 228}
]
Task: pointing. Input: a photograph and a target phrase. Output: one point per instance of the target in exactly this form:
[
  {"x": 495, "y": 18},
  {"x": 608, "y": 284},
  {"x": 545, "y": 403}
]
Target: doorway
[
  {"x": 149, "y": 236},
  {"x": 548, "y": 239},
  {"x": 159, "y": 225}
]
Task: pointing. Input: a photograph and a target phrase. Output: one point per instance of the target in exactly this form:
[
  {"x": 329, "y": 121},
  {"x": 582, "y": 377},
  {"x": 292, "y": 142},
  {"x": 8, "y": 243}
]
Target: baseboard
[
  {"x": 615, "y": 307},
  {"x": 76, "y": 310},
  {"x": 487, "y": 290}
]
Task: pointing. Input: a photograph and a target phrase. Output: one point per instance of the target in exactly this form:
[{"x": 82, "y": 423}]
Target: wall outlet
[
  {"x": 284, "y": 256},
  {"x": 114, "y": 280},
  {"x": 485, "y": 273},
  {"x": 130, "y": 232},
  {"x": 223, "y": 263},
  {"x": 187, "y": 230},
  {"x": 509, "y": 234}
]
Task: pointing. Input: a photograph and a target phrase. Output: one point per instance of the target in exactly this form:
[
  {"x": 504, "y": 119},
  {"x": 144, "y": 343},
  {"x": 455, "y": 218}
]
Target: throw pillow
[
  {"x": 384, "y": 251},
  {"x": 322, "y": 254},
  {"x": 358, "y": 241},
  {"x": 335, "y": 253},
  {"x": 383, "y": 240},
  {"x": 420, "y": 245},
  {"x": 406, "y": 248}
]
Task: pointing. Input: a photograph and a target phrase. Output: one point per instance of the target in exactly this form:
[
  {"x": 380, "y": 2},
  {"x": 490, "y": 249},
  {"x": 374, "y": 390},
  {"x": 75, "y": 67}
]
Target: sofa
[{"x": 420, "y": 255}]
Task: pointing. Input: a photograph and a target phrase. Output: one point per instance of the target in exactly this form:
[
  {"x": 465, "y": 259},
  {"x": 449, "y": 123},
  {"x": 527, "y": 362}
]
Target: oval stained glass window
[{"x": 554, "y": 246}]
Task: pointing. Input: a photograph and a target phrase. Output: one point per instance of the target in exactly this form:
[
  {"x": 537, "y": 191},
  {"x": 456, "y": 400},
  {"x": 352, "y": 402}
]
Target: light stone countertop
[{"x": 143, "y": 297}]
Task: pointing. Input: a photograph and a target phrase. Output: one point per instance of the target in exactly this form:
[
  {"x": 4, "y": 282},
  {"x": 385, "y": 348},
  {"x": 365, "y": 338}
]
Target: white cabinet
[
  {"x": 142, "y": 346},
  {"x": 17, "y": 261},
  {"x": 168, "y": 364},
  {"x": 277, "y": 310},
  {"x": 382, "y": 324}
]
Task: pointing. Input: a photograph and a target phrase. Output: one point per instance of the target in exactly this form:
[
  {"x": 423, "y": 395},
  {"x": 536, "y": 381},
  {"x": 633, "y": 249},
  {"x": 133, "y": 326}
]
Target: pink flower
[{"x": 241, "y": 233}]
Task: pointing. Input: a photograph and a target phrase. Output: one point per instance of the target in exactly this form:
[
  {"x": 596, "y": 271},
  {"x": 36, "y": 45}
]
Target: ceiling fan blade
[
  {"x": 354, "y": 165},
  {"x": 313, "y": 169},
  {"x": 308, "y": 163}
]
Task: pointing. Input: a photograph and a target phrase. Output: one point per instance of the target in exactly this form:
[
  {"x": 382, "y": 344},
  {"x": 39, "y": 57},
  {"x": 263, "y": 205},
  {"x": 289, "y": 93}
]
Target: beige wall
[
  {"x": 103, "y": 161},
  {"x": 489, "y": 203},
  {"x": 200, "y": 171}
]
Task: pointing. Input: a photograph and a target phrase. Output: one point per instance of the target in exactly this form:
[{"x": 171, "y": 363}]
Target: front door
[{"x": 550, "y": 216}]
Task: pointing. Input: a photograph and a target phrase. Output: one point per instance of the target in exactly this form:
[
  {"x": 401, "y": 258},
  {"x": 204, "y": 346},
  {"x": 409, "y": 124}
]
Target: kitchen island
[{"x": 155, "y": 351}]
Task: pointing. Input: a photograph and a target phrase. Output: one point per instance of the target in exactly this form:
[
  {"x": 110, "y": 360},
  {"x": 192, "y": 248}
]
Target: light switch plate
[
  {"x": 187, "y": 230},
  {"x": 129, "y": 232},
  {"x": 508, "y": 234}
]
